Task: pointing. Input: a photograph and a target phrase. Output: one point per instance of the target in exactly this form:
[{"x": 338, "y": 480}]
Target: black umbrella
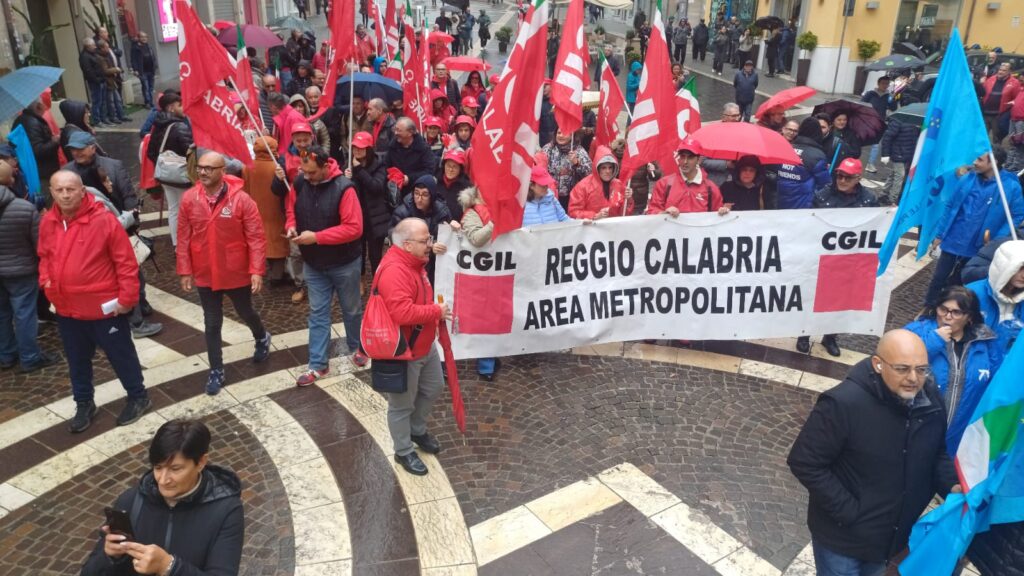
[
  {"x": 863, "y": 119},
  {"x": 460, "y": 4},
  {"x": 909, "y": 48},
  {"x": 911, "y": 113},
  {"x": 769, "y": 22},
  {"x": 895, "y": 62}
]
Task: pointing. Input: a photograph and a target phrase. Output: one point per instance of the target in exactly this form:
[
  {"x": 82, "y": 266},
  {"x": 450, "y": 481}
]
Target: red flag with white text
[
  {"x": 343, "y": 38},
  {"x": 570, "y": 71},
  {"x": 610, "y": 106},
  {"x": 505, "y": 139},
  {"x": 203, "y": 62},
  {"x": 391, "y": 38},
  {"x": 653, "y": 134},
  {"x": 412, "y": 80},
  {"x": 215, "y": 125}
]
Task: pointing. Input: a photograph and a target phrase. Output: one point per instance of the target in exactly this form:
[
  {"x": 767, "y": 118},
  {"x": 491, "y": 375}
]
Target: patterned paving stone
[{"x": 55, "y": 533}]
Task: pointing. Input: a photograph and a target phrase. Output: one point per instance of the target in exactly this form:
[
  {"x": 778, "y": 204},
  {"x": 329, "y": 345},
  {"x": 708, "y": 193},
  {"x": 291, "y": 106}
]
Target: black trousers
[
  {"x": 213, "y": 318},
  {"x": 114, "y": 336},
  {"x": 680, "y": 53}
]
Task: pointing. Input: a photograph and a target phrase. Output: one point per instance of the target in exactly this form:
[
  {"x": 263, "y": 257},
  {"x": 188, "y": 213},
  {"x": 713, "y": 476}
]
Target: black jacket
[
  {"x": 900, "y": 141},
  {"x": 450, "y": 192},
  {"x": 92, "y": 70},
  {"x": 439, "y": 213},
  {"x": 371, "y": 183},
  {"x": 19, "y": 235},
  {"x": 74, "y": 121},
  {"x": 871, "y": 464},
  {"x": 415, "y": 161},
  {"x": 977, "y": 267},
  {"x": 139, "y": 60},
  {"x": 831, "y": 197},
  {"x": 123, "y": 197},
  {"x": 44, "y": 147},
  {"x": 204, "y": 531},
  {"x": 179, "y": 140},
  {"x": 1000, "y": 551}
]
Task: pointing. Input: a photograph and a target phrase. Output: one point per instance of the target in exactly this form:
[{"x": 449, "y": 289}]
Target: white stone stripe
[
  {"x": 192, "y": 315},
  {"x": 152, "y": 353},
  {"x": 442, "y": 538},
  {"x": 503, "y": 534},
  {"x": 320, "y": 525}
]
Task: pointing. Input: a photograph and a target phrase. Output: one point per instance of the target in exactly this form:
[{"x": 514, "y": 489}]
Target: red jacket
[
  {"x": 1010, "y": 91},
  {"x": 351, "y": 213},
  {"x": 687, "y": 197},
  {"x": 222, "y": 246},
  {"x": 587, "y": 198},
  {"x": 402, "y": 282},
  {"x": 87, "y": 261},
  {"x": 1017, "y": 112}
]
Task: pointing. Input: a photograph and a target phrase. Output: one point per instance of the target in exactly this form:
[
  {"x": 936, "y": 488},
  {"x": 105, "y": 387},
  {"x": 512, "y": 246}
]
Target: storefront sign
[
  {"x": 699, "y": 277},
  {"x": 168, "y": 24}
]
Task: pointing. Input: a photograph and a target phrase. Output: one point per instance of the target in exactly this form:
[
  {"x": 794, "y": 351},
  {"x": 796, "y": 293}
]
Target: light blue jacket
[{"x": 545, "y": 210}]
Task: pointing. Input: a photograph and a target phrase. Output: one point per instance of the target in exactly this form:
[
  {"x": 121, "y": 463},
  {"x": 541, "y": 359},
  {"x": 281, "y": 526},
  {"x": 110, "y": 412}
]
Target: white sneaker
[{"x": 871, "y": 168}]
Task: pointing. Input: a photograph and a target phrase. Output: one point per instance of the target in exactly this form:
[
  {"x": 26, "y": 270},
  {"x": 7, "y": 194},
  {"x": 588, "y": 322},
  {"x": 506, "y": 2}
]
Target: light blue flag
[
  {"x": 990, "y": 462},
  {"x": 26, "y": 159},
  {"x": 953, "y": 135}
]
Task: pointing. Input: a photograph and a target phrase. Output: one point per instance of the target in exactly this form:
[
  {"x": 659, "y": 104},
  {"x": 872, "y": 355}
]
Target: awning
[{"x": 610, "y": 4}]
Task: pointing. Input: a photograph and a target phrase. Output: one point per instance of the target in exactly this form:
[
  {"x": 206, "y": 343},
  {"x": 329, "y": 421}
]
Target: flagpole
[
  {"x": 1002, "y": 195},
  {"x": 249, "y": 112}
]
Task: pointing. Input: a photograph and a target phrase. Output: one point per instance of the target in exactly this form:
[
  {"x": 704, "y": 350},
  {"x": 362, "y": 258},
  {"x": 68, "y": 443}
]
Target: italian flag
[{"x": 988, "y": 440}]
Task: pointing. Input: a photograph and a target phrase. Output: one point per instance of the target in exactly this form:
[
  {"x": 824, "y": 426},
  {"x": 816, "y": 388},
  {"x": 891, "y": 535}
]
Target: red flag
[
  {"x": 571, "y": 71},
  {"x": 506, "y": 137},
  {"x": 653, "y": 135},
  {"x": 608, "y": 111},
  {"x": 378, "y": 28},
  {"x": 215, "y": 125},
  {"x": 687, "y": 113},
  {"x": 203, "y": 62},
  {"x": 343, "y": 39},
  {"x": 458, "y": 408},
  {"x": 415, "y": 102},
  {"x": 391, "y": 38}
]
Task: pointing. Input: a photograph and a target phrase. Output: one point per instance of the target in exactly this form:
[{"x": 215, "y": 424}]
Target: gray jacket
[
  {"x": 19, "y": 235},
  {"x": 123, "y": 196}
]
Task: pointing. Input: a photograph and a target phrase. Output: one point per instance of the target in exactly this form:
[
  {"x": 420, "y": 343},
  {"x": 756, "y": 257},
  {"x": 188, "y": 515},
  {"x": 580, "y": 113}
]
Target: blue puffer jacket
[
  {"x": 544, "y": 210},
  {"x": 1003, "y": 314},
  {"x": 974, "y": 208},
  {"x": 983, "y": 357},
  {"x": 633, "y": 82},
  {"x": 798, "y": 183},
  {"x": 900, "y": 141}
]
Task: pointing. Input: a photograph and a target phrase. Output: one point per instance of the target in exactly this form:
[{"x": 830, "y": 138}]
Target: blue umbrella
[
  {"x": 368, "y": 86},
  {"x": 19, "y": 88}
]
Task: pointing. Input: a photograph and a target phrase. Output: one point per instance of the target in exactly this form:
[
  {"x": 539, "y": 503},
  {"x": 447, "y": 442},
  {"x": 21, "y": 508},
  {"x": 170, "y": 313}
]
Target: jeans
[
  {"x": 213, "y": 318},
  {"x": 295, "y": 266},
  {"x": 745, "y": 110},
  {"x": 98, "y": 94},
  {"x": 146, "y": 79},
  {"x": 947, "y": 273},
  {"x": 322, "y": 285},
  {"x": 829, "y": 563},
  {"x": 135, "y": 318},
  {"x": 173, "y": 195},
  {"x": 873, "y": 154},
  {"x": 408, "y": 411},
  {"x": 894, "y": 182},
  {"x": 115, "y": 106},
  {"x": 19, "y": 325},
  {"x": 114, "y": 336}
]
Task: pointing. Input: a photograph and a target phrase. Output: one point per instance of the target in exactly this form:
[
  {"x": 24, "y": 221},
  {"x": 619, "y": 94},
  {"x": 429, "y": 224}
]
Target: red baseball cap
[
  {"x": 851, "y": 166},
  {"x": 471, "y": 102},
  {"x": 494, "y": 79},
  {"x": 456, "y": 155},
  {"x": 690, "y": 145},
  {"x": 540, "y": 175},
  {"x": 435, "y": 121},
  {"x": 362, "y": 140},
  {"x": 463, "y": 119},
  {"x": 302, "y": 127}
]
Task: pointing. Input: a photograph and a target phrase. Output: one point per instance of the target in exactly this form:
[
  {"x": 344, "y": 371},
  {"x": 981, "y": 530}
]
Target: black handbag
[{"x": 390, "y": 376}]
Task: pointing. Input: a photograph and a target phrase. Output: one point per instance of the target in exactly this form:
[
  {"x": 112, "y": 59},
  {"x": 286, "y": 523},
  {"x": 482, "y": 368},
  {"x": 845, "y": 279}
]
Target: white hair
[{"x": 404, "y": 229}]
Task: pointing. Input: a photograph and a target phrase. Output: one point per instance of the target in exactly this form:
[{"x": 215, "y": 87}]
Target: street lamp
[{"x": 847, "y": 12}]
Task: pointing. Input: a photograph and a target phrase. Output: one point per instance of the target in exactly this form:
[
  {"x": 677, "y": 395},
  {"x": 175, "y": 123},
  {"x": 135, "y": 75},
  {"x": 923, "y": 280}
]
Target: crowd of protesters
[{"x": 339, "y": 194}]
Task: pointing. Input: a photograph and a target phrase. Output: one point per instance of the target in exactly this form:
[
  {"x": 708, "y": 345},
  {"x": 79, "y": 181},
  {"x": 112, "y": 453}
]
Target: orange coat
[{"x": 258, "y": 179}]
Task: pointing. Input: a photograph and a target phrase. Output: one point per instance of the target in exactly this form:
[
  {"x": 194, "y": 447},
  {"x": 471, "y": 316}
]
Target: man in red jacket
[
  {"x": 222, "y": 251},
  {"x": 325, "y": 220},
  {"x": 402, "y": 282},
  {"x": 87, "y": 268},
  {"x": 688, "y": 189}
]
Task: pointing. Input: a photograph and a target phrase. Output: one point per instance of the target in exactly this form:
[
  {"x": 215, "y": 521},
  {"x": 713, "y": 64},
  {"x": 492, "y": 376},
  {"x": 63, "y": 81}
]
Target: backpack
[{"x": 380, "y": 336}]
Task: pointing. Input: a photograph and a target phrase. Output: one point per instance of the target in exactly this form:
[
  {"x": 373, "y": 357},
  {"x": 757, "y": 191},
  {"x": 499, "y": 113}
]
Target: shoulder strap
[
  {"x": 707, "y": 189},
  {"x": 167, "y": 133}
]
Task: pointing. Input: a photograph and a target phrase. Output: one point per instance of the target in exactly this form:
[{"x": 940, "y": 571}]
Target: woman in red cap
[
  {"x": 452, "y": 180},
  {"x": 370, "y": 177},
  {"x": 442, "y": 109},
  {"x": 433, "y": 133},
  {"x": 464, "y": 126}
]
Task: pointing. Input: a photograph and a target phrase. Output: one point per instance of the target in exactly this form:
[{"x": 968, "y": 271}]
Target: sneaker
[
  {"x": 84, "y": 411},
  {"x": 803, "y": 344},
  {"x": 47, "y": 317},
  {"x": 134, "y": 410},
  {"x": 262, "y": 348},
  {"x": 871, "y": 168},
  {"x": 360, "y": 359},
  {"x": 299, "y": 295},
  {"x": 215, "y": 382},
  {"x": 8, "y": 364},
  {"x": 310, "y": 376},
  {"x": 146, "y": 329},
  {"x": 44, "y": 361}
]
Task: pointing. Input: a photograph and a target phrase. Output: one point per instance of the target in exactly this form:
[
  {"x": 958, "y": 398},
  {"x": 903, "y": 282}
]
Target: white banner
[{"x": 699, "y": 277}]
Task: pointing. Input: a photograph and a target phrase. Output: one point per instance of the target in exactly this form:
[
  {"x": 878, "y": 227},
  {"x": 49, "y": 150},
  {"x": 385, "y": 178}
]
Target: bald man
[
  {"x": 87, "y": 268},
  {"x": 872, "y": 454}
]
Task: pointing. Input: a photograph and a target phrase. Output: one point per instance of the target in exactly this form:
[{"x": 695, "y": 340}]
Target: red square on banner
[
  {"x": 483, "y": 304},
  {"x": 846, "y": 282}
]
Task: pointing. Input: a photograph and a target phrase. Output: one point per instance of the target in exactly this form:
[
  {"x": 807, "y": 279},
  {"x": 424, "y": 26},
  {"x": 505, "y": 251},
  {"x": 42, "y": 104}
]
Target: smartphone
[{"x": 119, "y": 522}]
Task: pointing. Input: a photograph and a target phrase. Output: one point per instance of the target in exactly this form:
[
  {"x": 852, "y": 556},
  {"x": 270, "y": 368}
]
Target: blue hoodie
[{"x": 633, "y": 82}]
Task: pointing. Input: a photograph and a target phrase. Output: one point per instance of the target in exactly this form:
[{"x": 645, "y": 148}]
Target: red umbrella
[
  {"x": 466, "y": 63},
  {"x": 223, "y": 25},
  {"x": 785, "y": 99},
  {"x": 254, "y": 36},
  {"x": 440, "y": 38},
  {"x": 733, "y": 140},
  {"x": 458, "y": 408}
]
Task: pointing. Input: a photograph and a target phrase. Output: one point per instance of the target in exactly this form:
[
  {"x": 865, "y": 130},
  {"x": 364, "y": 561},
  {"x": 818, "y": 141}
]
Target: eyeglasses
[
  {"x": 428, "y": 241},
  {"x": 953, "y": 313},
  {"x": 904, "y": 370},
  {"x": 736, "y": 115},
  {"x": 421, "y": 194},
  {"x": 204, "y": 169},
  {"x": 842, "y": 176}
]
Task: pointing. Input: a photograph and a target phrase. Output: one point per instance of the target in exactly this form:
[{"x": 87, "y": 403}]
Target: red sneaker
[
  {"x": 360, "y": 359},
  {"x": 310, "y": 376}
]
